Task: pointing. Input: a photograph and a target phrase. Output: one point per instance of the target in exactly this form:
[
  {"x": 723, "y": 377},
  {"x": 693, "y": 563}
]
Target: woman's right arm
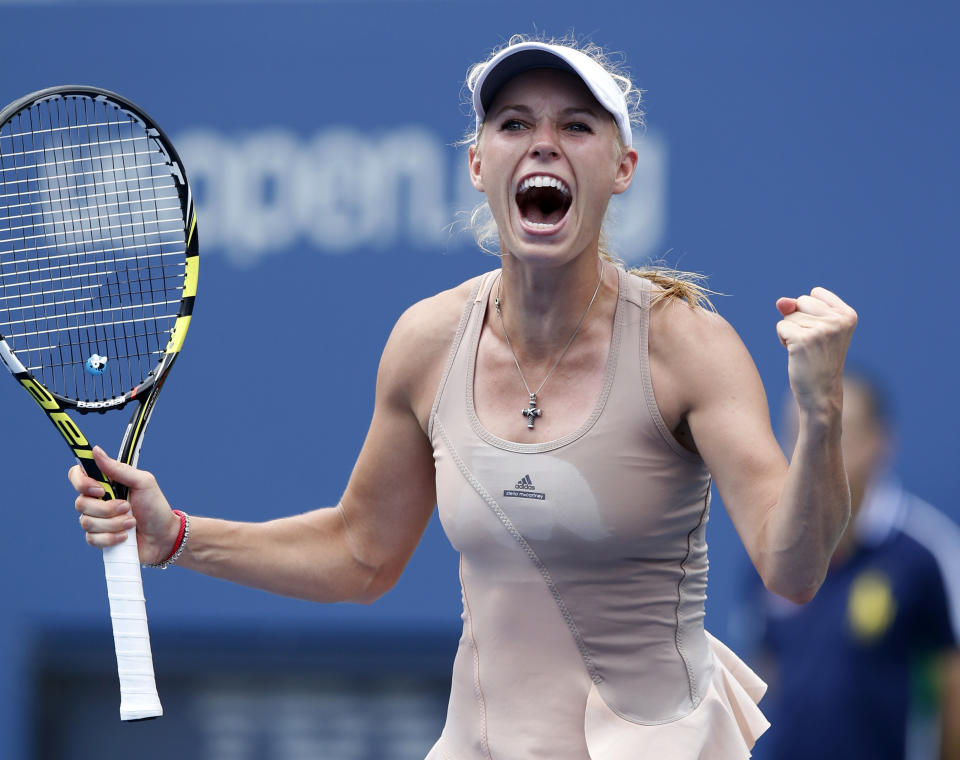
[{"x": 354, "y": 551}]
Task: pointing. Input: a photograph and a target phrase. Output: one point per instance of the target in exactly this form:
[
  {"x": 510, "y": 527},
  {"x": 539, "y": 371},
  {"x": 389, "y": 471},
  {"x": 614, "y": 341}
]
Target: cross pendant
[{"x": 532, "y": 411}]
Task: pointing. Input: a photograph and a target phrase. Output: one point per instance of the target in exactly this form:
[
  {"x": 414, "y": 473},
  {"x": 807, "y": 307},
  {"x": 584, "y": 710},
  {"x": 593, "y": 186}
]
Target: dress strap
[{"x": 478, "y": 295}]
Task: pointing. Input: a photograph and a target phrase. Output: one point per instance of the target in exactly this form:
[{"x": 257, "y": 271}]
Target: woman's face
[{"x": 548, "y": 160}]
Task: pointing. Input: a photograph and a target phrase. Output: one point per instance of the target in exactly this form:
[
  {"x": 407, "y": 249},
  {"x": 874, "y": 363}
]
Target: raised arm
[
  {"x": 788, "y": 517},
  {"x": 354, "y": 551},
  {"x": 950, "y": 706}
]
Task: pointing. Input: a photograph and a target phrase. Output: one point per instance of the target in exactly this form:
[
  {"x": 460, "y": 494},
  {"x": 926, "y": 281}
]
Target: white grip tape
[{"x": 131, "y": 638}]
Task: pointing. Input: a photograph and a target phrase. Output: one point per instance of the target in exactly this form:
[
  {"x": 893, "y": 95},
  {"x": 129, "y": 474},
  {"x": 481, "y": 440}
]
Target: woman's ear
[
  {"x": 625, "y": 170},
  {"x": 473, "y": 154}
]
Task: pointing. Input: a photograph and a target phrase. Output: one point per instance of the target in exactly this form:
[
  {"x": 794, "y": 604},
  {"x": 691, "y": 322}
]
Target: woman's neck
[{"x": 541, "y": 306}]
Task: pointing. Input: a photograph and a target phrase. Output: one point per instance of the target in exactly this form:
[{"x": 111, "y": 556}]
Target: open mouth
[{"x": 543, "y": 201}]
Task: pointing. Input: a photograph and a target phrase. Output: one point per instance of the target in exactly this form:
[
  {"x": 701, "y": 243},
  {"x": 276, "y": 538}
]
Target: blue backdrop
[{"x": 789, "y": 145}]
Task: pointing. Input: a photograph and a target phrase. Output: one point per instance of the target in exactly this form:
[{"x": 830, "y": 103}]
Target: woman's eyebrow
[
  {"x": 526, "y": 110},
  {"x": 512, "y": 107},
  {"x": 578, "y": 110}
]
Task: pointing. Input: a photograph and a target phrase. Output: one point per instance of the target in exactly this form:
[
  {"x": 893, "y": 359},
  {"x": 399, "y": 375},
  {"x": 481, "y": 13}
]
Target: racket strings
[
  {"x": 92, "y": 248},
  {"x": 119, "y": 182},
  {"x": 24, "y": 217}
]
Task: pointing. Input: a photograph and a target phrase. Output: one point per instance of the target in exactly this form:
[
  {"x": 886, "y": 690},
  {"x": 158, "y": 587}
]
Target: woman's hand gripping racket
[{"x": 98, "y": 273}]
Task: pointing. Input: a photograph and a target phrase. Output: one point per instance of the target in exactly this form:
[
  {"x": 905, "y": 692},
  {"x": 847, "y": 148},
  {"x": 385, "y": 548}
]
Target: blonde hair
[{"x": 672, "y": 283}]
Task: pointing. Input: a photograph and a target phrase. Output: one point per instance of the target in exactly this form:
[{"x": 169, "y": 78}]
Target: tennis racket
[{"x": 98, "y": 273}]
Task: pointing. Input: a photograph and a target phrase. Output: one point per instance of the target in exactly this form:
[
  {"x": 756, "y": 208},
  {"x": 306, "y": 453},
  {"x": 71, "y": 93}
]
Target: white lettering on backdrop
[{"x": 343, "y": 190}]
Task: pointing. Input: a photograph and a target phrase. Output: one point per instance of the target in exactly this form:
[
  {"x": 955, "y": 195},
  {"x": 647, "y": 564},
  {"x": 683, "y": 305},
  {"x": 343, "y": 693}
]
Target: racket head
[{"x": 98, "y": 248}]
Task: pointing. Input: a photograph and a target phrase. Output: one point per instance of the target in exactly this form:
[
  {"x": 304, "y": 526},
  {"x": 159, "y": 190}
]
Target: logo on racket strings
[{"x": 96, "y": 364}]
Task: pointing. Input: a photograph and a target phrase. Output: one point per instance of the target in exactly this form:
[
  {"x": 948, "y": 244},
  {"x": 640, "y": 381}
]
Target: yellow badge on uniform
[{"x": 871, "y": 607}]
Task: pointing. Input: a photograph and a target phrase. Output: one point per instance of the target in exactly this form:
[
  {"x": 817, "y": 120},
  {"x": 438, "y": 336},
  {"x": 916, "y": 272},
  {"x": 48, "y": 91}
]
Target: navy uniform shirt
[{"x": 840, "y": 668}]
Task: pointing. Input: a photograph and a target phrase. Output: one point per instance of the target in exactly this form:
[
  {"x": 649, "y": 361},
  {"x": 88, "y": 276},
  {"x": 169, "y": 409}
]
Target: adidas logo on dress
[
  {"x": 525, "y": 489},
  {"x": 525, "y": 484}
]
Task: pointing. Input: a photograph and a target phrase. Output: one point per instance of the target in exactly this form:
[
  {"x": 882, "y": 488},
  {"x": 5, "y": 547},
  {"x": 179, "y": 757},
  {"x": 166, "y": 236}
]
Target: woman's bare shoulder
[
  {"x": 417, "y": 350},
  {"x": 679, "y": 317},
  {"x": 676, "y": 323},
  {"x": 691, "y": 350},
  {"x": 430, "y": 325}
]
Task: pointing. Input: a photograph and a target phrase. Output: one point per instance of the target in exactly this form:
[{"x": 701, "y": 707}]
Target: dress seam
[
  {"x": 678, "y": 638},
  {"x": 528, "y": 550},
  {"x": 477, "y": 688}
]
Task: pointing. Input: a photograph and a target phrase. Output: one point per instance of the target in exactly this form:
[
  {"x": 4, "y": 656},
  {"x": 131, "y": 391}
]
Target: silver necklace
[{"x": 533, "y": 410}]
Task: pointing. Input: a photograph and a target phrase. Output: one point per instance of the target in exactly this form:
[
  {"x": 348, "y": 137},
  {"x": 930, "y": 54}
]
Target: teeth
[{"x": 541, "y": 180}]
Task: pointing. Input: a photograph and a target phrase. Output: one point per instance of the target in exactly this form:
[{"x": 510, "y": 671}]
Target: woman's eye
[
  {"x": 579, "y": 126},
  {"x": 511, "y": 124}
]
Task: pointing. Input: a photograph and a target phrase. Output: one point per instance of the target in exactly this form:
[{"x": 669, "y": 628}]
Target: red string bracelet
[{"x": 179, "y": 544}]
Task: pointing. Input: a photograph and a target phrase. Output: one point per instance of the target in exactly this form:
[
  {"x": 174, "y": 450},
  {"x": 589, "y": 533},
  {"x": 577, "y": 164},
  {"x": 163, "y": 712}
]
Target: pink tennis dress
[{"x": 584, "y": 573}]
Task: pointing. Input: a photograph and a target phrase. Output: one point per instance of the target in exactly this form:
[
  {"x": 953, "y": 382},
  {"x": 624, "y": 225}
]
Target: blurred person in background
[{"x": 870, "y": 668}]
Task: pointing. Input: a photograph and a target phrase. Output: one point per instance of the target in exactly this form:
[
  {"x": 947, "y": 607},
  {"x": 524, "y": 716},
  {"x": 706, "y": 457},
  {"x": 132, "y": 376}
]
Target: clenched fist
[{"x": 816, "y": 331}]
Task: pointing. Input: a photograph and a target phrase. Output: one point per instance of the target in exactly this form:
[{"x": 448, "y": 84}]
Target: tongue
[
  {"x": 542, "y": 205},
  {"x": 538, "y": 215}
]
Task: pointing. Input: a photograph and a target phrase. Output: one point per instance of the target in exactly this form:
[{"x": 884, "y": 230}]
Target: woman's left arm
[
  {"x": 950, "y": 706},
  {"x": 789, "y": 517}
]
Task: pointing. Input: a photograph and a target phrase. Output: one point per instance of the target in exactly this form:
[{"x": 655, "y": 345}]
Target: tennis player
[{"x": 569, "y": 418}]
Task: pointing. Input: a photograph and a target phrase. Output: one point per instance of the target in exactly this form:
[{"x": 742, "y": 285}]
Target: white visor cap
[{"x": 524, "y": 56}]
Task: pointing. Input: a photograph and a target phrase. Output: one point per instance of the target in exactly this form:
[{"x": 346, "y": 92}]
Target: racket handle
[{"x": 131, "y": 638}]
